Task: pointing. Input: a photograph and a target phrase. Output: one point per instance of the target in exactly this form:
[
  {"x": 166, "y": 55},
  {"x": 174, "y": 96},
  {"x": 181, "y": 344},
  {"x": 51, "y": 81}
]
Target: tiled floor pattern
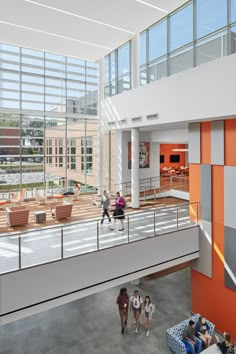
[{"x": 91, "y": 325}]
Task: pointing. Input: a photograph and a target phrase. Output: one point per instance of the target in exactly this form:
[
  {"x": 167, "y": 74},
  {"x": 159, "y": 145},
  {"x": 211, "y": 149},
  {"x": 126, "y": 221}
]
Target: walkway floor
[{"x": 91, "y": 325}]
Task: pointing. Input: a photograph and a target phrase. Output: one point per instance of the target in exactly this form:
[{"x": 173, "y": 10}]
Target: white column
[
  {"x": 119, "y": 160},
  {"x": 135, "y": 61},
  {"x": 135, "y": 168},
  {"x": 100, "y": 125}
]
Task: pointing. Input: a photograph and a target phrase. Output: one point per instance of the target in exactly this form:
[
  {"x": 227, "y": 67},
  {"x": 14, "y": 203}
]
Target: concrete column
[
  {"x": 135, "y": 61},
  {"x": 135, "y": 168},
  {"x": 100, "y": 125}
]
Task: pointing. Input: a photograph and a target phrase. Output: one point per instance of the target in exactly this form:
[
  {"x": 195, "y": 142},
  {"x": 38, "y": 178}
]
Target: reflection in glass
[
  {"x": 211, "y": 48},
  {"x": 181, "y": 60}
]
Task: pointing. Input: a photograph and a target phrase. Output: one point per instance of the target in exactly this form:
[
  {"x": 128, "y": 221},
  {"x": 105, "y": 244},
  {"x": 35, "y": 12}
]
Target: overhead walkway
[{"x": 45, "y": 267}]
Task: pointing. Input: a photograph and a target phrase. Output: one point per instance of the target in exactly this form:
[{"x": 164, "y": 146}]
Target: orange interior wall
[
  {"x": 210, "y": 297},
  {"x": 206, "y": 142},
  {"x": 166, "y": 150}
]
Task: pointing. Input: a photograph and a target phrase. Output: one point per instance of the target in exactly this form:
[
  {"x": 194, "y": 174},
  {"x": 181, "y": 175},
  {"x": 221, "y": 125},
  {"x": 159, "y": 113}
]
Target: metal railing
[{"x": 41, "y": 246}]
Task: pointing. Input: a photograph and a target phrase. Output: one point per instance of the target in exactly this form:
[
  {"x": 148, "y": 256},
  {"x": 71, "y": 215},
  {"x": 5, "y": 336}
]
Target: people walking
[
  {"x": 136, "y": 303},
  {"x": 148, "y": 309},
  {"x": 123, "y": 306},
  {"x": 105, "y": 203},
  {"x": 119, "y": 211}
]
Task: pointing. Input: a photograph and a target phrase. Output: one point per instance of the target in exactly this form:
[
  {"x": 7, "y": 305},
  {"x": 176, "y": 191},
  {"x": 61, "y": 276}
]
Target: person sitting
[
  {"x": 227, "y": 346},
  {"x": 202, "y": 331},
  {"x": 189, "y": 338}
]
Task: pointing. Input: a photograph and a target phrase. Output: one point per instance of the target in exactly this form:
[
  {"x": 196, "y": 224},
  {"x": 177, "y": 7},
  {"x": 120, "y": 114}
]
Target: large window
[
  {"x": 38, "y": 81},
  {"x": 40, "y": 146},
  {"x": 211, "y": 15},
  {"x": 233, "y": 11},
  {"x": 181, "y": 27},
  {"x": 117, "y": 71},
  {"x": 196, "y": 33}
]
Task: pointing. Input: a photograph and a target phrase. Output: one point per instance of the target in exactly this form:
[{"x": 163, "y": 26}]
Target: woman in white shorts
[
  {"x": 136, "y": 303},
  {"x": 148, "y": 310}
]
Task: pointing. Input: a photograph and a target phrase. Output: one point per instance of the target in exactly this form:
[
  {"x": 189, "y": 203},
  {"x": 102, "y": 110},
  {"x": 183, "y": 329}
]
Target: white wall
[
  {"x": 177, "y": 136},
  {"x": 204, "y": 92},
  {"x": 41, "y": 284}
]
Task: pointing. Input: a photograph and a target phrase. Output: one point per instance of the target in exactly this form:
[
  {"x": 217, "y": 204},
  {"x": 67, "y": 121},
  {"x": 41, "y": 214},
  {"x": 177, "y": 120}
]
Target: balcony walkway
[{"x": 56, "y": 240}]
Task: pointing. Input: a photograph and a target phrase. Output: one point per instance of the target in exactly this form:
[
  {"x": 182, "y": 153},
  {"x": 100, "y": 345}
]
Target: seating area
[
  {"x": 61, "y": 210},
  {"x": 175, "y": 334}
]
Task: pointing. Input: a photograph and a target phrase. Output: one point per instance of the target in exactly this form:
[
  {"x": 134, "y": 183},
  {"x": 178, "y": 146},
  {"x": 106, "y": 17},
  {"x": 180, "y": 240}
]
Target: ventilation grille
[
  {"x": 136, "y": 119},
  {"x": 153, "y": 116},
  {"x": 111, "y": 123}
]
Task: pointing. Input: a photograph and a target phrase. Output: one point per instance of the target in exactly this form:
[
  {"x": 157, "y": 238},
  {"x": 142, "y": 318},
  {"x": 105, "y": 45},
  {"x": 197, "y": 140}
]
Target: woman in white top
[
  {"x": 148, "y": 310},
  {"x": 136, "y": 303}
]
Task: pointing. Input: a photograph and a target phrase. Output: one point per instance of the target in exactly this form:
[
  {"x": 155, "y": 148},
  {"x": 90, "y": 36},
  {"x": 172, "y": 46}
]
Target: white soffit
[{"x": 87, "y": 29}]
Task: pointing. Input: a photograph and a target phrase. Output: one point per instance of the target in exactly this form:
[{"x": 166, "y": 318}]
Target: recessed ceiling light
[
  {"x": 54, "y": 35},
  {"x": 155, "y": 7},
  {"x": 75, "y": 15}
]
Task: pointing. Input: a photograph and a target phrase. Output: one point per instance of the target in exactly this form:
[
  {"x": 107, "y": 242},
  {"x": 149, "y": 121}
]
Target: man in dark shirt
[{"x": 194, "y": 343}]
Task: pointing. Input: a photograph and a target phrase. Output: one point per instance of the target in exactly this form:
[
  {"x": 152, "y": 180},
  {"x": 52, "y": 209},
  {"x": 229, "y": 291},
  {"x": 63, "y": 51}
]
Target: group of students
[
  {"x": 138, "y": 306},
  {"x": 197, "y": 336},
  {"x": 118, "y": 213}
]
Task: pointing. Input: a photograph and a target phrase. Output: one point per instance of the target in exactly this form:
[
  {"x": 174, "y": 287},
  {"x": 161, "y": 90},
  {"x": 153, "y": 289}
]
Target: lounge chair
[
  {"x": 18, "y": 199},
  {"x": 17, "y": 216},
  {"x": 41, "y": 199},
  {"x": 61, "y": 211}
]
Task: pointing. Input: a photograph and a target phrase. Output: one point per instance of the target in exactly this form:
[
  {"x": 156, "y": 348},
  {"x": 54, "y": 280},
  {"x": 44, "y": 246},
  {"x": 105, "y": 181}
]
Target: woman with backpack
[
  {"x": 136, "y": 303},
  {"x": 148, "y": 310},
  {"x": 119, "y": 211}
]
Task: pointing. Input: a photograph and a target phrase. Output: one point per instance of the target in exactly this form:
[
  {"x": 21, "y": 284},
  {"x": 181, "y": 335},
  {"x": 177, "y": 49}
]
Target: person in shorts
[
  {"x": 136, "y": 303},
  {"x": 148, "y": 310}
]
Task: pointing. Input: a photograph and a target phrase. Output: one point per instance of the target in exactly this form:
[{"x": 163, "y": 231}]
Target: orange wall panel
[
  {"x": 206, "y": 142},
  {"x": 230, "y": 142}
]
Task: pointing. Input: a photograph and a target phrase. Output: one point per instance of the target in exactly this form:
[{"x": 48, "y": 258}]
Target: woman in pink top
[{"x": 119, "y": 211}]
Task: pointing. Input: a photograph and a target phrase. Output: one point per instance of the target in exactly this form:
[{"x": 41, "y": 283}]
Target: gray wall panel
[
  {"x": 194, "y": 142},
  {"x": 204, "y": 263},
  {"x": 205, "y": 202},
  {"x": 217, "y": 143},
  {"x": 229, "y": 196},
  {"x": 230, "y": 251}
]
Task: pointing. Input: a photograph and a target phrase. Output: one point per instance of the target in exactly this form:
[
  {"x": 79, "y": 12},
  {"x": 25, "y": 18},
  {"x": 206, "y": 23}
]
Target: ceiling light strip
[
  {"x": 153, "y": 6},
  {"x": 79, "y": 16},
  {"x": 54, "y": 35}
]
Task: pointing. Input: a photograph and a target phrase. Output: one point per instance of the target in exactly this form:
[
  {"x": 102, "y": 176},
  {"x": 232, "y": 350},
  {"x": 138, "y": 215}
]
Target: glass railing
[{"x": 44, "y": 245}]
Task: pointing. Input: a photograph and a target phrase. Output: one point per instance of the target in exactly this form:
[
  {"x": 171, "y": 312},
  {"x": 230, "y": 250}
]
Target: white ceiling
[{"x": 26, "y": 23}]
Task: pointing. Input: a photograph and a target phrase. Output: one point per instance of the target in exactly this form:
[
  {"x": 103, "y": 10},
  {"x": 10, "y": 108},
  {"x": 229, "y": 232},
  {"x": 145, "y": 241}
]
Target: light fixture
[
  {"x": 180, "y": 150},
  {"x": 54, "y": 35},
  {"x": 78, "y": 16},
  {"x": 155, "y": 7}
]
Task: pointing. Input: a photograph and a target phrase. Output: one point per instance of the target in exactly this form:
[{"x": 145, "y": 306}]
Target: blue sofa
[{"x": 175, "y": 334}]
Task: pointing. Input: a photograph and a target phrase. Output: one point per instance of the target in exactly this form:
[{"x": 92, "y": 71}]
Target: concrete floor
[{"x": 91, "y": 325}]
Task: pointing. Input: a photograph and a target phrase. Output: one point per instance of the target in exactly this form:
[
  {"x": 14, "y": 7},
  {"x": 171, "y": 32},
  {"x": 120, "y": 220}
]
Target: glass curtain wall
[
  {"x": 42, "y": 141},
  {"x": 117, "y": 71},
  {"x": 196, "y": 33}
]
